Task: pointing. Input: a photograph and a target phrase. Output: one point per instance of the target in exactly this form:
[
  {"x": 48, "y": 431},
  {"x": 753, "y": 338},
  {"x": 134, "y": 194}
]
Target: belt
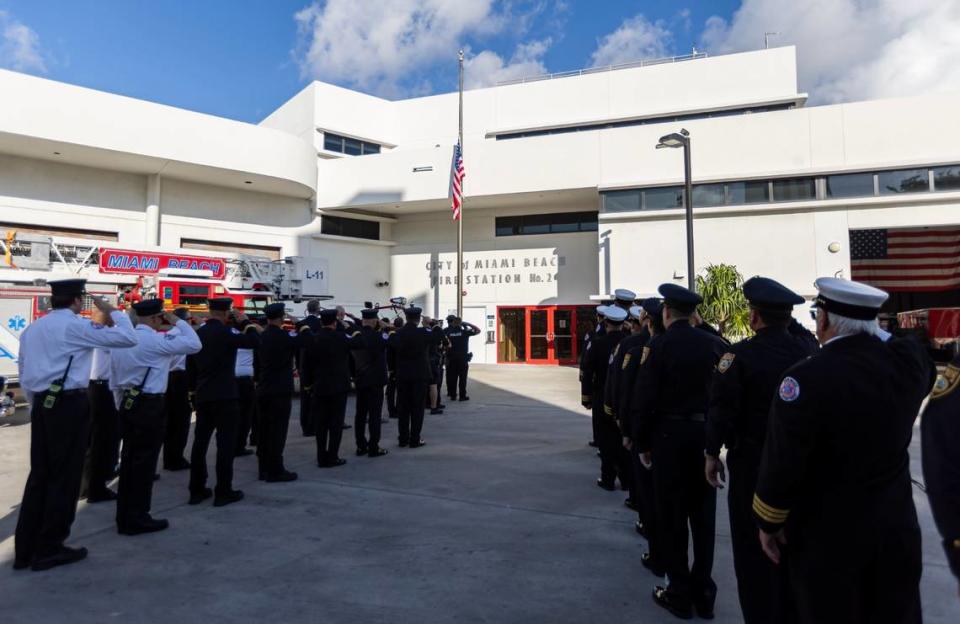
[
  {"x": 686, "y": 417},
  {"x": 73, "y": 392},
  {"x": 145, "y": 395},
  {"x": 99, "y": 382},
  {"x": 174, "y": 371},
  {"x": 245, "y": 377}
]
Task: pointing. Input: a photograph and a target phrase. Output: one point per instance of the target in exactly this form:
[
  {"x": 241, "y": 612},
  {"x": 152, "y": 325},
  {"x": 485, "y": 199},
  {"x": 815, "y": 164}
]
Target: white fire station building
[{"x": 566, "y": 197}]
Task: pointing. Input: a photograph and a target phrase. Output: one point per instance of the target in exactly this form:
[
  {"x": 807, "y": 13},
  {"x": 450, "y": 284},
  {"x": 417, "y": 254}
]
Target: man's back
[
  {"x": 412, "y": 346},
  {"x": 327, "y": 362},
  {"x": 216, "y": 361},
  {"x": 274, "y": 360}
]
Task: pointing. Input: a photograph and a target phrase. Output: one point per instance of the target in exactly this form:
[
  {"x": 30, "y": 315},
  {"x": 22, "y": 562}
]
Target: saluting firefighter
[
  {"x": 273, "y": 363},
  {"x": 834, "y": 487},
  {"x": 370, "y": 377},
  {"x": 104, "y": 451},
  {"x": 670, "y": 400},
  {"x": 458, "y": 333},
  {"x": 743, "y": 387},
  {"x": 940, "y": 430},
  {"x": 412, "y": 345},
  {"x": 141, "y": 375},
  {"x": 216, "y": 398},
  {"x": 54, "y": 368},
  {"x": 309, "y": 323},
  {"x": 178, "y": 406}
]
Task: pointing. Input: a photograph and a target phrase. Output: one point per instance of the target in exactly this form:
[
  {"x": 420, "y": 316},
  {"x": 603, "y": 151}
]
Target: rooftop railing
[{"x": 597, "y": 70}]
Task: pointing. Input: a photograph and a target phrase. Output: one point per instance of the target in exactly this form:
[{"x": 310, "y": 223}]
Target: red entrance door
[{"x": 551, "y": 338}]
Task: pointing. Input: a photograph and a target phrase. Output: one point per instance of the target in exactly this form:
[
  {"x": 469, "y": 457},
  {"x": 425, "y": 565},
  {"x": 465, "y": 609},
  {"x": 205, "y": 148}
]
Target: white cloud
[
  {"x": 853, "y": 49},
  {"x": 488, "y": 68},
  {"x": 636, "y": 39},
  {"x": 377, "y": 45},
  {"x": 19, "y": 46}
]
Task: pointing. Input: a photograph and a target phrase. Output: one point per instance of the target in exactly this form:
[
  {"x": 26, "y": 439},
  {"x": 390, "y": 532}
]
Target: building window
[
  {"x": 946, "y": 178},
  {"x": 849, "y": 185},
  {"x": 52, "y": 230},
  {"x": 345, "y": 145},
  {"x": 796, "y": 189},
  {"x": 621, "y": 201},
  {"x": 354, "y": 228},
  {"x": 558, "y": 223},
  {"x": 707, "y": 195},
  {"x": 262, "y": 251},
  {"x": 663, "y": 197},
  {"x": 903, "y": 181},
  {"x": 752, "y": 192}
]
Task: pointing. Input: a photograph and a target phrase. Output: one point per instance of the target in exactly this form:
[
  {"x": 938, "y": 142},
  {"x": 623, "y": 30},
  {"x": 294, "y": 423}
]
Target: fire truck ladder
[{"x": 42, "y": 253}]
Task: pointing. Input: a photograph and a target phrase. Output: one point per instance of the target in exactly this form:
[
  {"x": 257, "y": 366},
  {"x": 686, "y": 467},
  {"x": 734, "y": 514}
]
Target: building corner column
[{"x": 152, "y": 211}]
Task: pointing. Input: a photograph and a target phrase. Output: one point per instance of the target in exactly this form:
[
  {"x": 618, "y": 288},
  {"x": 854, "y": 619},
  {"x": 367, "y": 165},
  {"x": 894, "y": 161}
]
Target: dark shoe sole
[
  {"x": 39, "y": 565},
  {"x": 223, "y": 502},
  {"x": 196, "y": 499},
  {"x": 683, "y": 614},
  {"x": 142, "y": 530}
]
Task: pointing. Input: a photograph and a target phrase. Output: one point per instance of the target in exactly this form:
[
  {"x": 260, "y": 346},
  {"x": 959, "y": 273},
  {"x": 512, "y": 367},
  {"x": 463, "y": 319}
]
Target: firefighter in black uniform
[
  {"x": 216, "y": 399},
  {"x": 594, "y": 367},
  {"x": 458, "y": 332},
  {"x": 597, "y": 331},
  {"x": 412, "y": 345},
  {"x": 326, "y": 370},
  {"x": 940, "y": 430},
  {"x": 273, "y": 363},
  {"x": 370, "y": 378},
  {"x": 391, "y": 391},
  {"x": 834, "y": 486},
  {"x": 309, "y": 323},
  {"x": 743, "y": 386},
  {"x": 670, "y": 400}
]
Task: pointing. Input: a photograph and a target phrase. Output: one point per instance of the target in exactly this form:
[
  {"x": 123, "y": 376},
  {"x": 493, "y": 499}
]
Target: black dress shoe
[
  {"x": 592, "y": 443},
  {"x": 639, "y": 528},
  {"x": 21, "y": 564},
  {"x": 283, "y": 477},
  {"x": 362, "y": 450},
  {"x": 102, "y": 497},
  {"x": 605, "y": 486},
  {"x": 243, "y": 452},
  {"x": 377, "y": 452},
  {"x": 230, "y": 497},
  {"x": 198, "y": 497},
  {"x": 464, "y": 398},
  {"x": 333, "y": 463},
  {"x": 156, "y": 476},
  {"x": 417, "y": 444},
  {"x": 404, "y": 443},
  {"x": 347, "y": 427},
  {"x": 664, "y": 598},
  {"x": 309, "y": 434},
  {"x": 436, "y": 410},
  {"x": 63, "y": 556},
  {"x": 629, "y": 504},
  {"x": 441, "y": 406},
  {"x": 150, "y": 525},
  {"x": 704, "y": 609},
  {"x": 647, "y": 561},
  {"x": 180, "y": 464}
]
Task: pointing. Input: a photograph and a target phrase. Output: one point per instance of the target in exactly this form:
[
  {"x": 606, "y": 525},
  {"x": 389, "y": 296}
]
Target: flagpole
[{"x": 463, "y": 201}]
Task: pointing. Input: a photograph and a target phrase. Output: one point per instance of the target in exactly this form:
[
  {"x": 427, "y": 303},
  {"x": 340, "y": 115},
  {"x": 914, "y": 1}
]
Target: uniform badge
[
  {"x": 626, "y": 361},
  {"x": 644, "y": 355},
  {"x": 789, "y": 389},
  {"x": 725, "y": 362},
  {"x": 946, "y": 383},
  {"x": 292, "y": 334}
]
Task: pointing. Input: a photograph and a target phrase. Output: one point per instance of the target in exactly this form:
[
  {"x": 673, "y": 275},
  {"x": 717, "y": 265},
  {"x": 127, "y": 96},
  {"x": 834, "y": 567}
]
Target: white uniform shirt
[
  {"x": 47, "y": 344},
  {"x": 244, "y": 365},
  {"x": 179, "y": 362},
  {"x": 100, "y": 367},
  {"x": 154, "y": 351}
]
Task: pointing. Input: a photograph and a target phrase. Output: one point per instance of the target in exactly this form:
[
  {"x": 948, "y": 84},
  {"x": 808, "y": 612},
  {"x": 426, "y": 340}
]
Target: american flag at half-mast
[
  {"x": 456, "y": 181},
  {"x": 907, "y": 259}
]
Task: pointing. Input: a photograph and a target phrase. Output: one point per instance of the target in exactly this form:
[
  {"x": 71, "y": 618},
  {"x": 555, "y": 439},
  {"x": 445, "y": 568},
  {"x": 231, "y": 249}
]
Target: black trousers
[
  {"x": 218, "y": 417},
  {"x": 391, "y": 393},
  {"x": 761, "y": 586},
  {"x": 457, "y": 368},
  {"x": 644, "y": 496},
  {"x": 307, "y": 425},
  {"x": 685, "y": 498},
  {"x": 248, "y": 410},
  {"x": 142, "y": 428},
  {"x": 104, "y": 449},
  {"x": 58, "y": 440},
  {"x": 410, "y": 398},
  {"x": 179, "y": 412},
  {"x": 369, "y": 408},
  {"x": 274, "y": 416},
  {"x": 329, "y": 411},
  {"x": 614, "y": 459}
]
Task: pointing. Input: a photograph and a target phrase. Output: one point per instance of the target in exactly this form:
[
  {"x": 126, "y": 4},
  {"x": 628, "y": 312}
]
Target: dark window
[
  {"x": 263, "y": 251},
  {"x": 663, "y": 197},
  {"x": 946, "y": 178},
  {"x": 354, "y": 228},
  {"x": 849, "y": 185},
  {"x": 705, "y": 195},
  {"x": 621, "y": 201},
  {"x": 903, "y": 181},
  {"x": 52, "y": 230},
  {"x": 796, "y": 189},
  {"x": 559, "y": 223},
  {"x": 345, "y": 145},
  {"x": 753, "y": 192}
]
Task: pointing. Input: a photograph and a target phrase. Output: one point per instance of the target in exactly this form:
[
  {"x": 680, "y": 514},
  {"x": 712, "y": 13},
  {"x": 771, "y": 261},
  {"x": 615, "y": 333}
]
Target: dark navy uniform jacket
[
  {"x": 940, "y": 430},
  {"x": 371, "y": 360},
  {"x": 595, "y": 363},
  {"x": 616, "y": 372},
  {"x": 326, "y": 361},
  {"x": 273, "y": 360},
  {"x": 412, "y": 347},
  {"x": 215, "y": 363},
  {"x": 459, "y": 338}
]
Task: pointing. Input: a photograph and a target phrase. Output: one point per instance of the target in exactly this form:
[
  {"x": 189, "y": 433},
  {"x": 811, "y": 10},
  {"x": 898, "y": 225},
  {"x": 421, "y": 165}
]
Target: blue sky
[{"x": 243, "y": 58}]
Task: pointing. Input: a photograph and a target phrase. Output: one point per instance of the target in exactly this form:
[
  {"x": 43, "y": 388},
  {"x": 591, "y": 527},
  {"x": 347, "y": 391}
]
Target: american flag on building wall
[
  {"x": 456, "y": 181},
  {"x": 907, "y": 259}
]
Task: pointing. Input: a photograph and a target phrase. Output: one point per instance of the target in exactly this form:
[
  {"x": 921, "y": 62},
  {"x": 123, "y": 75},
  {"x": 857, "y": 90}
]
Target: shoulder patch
[
  {"x": 626, "y": 362},
  {"x": 355, "y": 334},
  {"x": 725, "y": 362},
  {"x": 789, "y": 389},
  {"x": 96, "y": 325},
  {"x": 644, "y": 355},
  {"x": 168, "y": 337},
  {"x": 292, "y": 334},
  {"x": 234, "y": 330},
  {"x": 946, "y": 382}
]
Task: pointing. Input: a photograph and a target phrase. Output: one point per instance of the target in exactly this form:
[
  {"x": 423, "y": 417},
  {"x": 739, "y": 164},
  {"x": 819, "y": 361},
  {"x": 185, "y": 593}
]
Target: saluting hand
[
  {"x": 170, "y": 318},
  {"x": 103, "y": 305},
  {"x": 715, "y": 471}
]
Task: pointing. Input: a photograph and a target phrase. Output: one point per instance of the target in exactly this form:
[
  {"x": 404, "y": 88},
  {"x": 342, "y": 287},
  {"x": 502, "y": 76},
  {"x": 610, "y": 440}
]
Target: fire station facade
[{"x": 566, "y": 197}]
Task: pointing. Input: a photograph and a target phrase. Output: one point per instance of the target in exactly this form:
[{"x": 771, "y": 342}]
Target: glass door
[
  {"x": 563, "y": 340},
  {"x": 539, "y": 335},
  {"x": 551, "y": 335}
]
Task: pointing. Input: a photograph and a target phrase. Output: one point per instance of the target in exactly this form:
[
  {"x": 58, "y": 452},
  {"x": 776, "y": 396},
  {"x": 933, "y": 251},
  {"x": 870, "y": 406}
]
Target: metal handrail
[{"x": 596, "y": 70}]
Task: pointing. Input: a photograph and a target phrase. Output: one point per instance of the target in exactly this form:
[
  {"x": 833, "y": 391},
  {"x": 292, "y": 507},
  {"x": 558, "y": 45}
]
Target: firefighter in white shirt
[
  {"x": 55, "y": 357},
  {"x": 141, "y": 373},
  {"x": 243, "y": 370}
]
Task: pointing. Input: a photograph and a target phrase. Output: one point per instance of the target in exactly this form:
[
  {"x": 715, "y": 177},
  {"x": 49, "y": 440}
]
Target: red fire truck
[{"x": 940, "y": 327}]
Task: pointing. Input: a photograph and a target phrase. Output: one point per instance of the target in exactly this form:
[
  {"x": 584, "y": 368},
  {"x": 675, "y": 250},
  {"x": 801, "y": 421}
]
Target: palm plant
[{"x": 724, "y": 305}]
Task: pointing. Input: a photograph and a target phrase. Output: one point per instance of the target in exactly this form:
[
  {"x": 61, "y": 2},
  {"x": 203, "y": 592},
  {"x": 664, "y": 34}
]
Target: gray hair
[{"x": 845, "y": 326}]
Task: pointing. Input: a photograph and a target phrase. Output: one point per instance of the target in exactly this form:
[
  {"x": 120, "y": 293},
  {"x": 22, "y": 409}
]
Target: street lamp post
[{"x": 682, "y": 139}]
